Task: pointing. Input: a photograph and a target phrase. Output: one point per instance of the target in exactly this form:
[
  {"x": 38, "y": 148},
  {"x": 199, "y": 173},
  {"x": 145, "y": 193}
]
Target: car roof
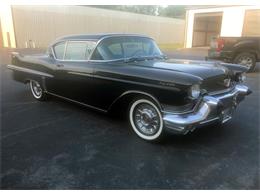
[{"x": 95, "y": 36}]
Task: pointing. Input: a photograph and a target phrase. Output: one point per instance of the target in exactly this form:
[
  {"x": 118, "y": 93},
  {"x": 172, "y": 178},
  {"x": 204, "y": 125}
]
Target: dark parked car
[
  {"x": 105, "y": 70},
  {"x": 238, "y": 50}
]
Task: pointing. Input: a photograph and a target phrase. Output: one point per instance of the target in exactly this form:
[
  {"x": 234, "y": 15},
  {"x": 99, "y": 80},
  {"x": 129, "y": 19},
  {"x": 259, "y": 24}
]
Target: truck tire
[{"x": 247, "y": 59}]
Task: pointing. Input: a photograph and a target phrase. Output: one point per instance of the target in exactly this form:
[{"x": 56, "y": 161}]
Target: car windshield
[{"x": 131, "y": 47}]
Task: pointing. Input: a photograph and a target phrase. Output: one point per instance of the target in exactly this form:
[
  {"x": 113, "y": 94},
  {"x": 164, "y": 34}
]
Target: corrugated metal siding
[
  {"x": 251, "y": 23},
  {"x": 43, "y": 24}
]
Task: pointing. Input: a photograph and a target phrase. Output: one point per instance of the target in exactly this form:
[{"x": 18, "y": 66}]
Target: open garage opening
[{"x": 206, "y": 26}]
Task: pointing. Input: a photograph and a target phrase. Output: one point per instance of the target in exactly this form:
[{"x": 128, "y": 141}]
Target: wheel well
[{"x": 122, "y": 103}]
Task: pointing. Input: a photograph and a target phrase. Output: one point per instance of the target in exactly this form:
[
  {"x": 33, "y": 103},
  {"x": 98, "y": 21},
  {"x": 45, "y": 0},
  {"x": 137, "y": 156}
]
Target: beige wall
[
  {"x": 252, "y": 23},
  {"x": 43, "y": 24}
]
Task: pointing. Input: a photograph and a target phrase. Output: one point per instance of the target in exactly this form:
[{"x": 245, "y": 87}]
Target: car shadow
[{"x": 201, "y": 135}]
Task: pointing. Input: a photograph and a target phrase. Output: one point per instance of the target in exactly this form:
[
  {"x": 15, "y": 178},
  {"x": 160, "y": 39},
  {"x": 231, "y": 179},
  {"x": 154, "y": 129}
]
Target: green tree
[{"x": 173, "y": 11}]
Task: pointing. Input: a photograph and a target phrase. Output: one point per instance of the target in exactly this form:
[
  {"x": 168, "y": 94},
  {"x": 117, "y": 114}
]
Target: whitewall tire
[
  {"x": 146, "y": 119},
  {"x": 37, "y": 90}
]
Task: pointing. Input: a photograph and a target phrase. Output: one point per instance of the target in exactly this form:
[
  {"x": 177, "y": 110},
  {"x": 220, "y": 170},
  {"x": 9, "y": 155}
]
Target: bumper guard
[{"x": 215, "y": 108}]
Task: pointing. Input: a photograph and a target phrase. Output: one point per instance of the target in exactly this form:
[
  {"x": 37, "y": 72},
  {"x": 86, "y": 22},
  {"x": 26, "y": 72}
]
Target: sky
[{"x": 134, "y": 2}]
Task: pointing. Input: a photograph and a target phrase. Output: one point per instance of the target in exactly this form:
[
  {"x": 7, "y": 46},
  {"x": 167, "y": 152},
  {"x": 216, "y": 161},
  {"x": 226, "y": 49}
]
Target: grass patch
[{"x": 171, "y": 46}]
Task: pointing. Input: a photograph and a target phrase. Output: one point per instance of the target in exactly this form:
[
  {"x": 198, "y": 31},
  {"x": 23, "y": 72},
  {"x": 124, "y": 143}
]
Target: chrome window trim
[
  {"x": 106, "y": 37},
  {"x": 52, "y": 49},
  {"x": 97, "y": 41},
  {"x": 65, "y": 49}
]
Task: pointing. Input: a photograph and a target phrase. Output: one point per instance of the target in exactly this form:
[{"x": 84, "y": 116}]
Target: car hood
[{"x": 202, "y": 69}]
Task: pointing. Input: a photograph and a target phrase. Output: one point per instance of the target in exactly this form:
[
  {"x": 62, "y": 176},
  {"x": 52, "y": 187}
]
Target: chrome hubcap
[
  {"x": 36, "y": 88},
  {"x": 146, "y": 119},
  {"x": 246, "y": 61}
]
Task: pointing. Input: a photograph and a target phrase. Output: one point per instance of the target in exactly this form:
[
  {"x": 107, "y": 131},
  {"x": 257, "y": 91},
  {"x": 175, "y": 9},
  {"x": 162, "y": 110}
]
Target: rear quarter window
[
  {"x": 59, "y": 50},
  {"x": 79, "y": 50}
]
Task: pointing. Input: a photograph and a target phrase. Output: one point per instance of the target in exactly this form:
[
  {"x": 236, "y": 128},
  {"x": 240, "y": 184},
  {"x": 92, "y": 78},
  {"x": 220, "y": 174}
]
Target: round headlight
[
  {"x": 195, "y": 91},
  {"x": 242, "y": 77}
]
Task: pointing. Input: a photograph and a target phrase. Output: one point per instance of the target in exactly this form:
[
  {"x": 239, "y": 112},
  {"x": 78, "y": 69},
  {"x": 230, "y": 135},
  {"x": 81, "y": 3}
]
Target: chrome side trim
[
  {"x": 138, "y": 83},
  {"x": 74, "y": 101},
  {"x": 13, "y": 67},
  {"x": 81, "y": 74}
]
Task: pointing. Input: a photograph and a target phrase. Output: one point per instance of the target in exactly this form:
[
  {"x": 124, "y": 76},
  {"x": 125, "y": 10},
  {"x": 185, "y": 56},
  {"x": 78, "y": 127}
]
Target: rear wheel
[
  {"x": 246, "y": 59},
  {"x": 37, "y": 90},
  {"x": 146, "y": 119}
]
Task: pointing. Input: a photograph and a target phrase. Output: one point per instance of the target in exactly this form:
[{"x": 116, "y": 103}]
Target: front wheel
[
  {"x": 37, "y": 90},
  {"x": 146, "y": 119}
]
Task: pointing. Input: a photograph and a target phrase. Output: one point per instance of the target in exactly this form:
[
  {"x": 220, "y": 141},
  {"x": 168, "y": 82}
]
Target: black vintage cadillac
[{"x": 103, "y": 71}]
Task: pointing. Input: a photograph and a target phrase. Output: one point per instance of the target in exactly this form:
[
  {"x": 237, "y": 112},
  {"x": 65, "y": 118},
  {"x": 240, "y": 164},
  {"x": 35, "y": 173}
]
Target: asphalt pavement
[{"x": 60, "y": 145}]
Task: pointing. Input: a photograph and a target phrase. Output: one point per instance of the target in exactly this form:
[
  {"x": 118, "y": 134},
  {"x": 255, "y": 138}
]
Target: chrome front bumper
[{"x": 216, "y": 108}]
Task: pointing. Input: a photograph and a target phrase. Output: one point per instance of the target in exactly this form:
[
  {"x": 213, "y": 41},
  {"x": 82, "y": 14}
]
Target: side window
[
  {"x": 75, "y": 51},
  {"x": 79, "y": 50},
  {"x": 59, "y": 50},
  {"x": 133, "y": 48},
  {"x": 116, "y": 49},
  {"x": 90, "y": 47}
]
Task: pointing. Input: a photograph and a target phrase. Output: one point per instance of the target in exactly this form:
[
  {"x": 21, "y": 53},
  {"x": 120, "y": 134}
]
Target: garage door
[{"x": 206, "y": 26}]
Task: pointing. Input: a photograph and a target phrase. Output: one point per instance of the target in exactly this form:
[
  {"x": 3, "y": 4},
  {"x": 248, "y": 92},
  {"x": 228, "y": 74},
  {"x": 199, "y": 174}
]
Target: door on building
[{"x": 206, "y": 26}]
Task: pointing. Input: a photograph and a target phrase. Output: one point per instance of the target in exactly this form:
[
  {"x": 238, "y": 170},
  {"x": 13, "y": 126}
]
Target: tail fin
[{"x": 15, "y": 57}]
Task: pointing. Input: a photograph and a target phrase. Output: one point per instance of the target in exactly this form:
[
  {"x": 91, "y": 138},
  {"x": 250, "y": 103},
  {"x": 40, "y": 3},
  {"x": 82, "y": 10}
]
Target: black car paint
[{"x": 101, "y": 84}]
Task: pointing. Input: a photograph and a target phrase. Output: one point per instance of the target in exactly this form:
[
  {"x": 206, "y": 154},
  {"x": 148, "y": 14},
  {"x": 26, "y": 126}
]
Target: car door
[{"x": 73, "y": 76}]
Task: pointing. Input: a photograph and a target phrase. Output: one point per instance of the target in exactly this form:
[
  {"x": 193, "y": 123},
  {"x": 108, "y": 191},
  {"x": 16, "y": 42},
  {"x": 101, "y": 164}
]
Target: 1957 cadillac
[{"x": 103, "y": 71}]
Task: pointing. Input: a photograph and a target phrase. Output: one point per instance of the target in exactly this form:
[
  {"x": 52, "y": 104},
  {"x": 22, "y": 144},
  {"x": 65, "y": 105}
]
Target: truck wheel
[
  {"x": 247, "y": 59},
  {"x": 37, "y": 91},
  {"x": 146, "y": 119}
]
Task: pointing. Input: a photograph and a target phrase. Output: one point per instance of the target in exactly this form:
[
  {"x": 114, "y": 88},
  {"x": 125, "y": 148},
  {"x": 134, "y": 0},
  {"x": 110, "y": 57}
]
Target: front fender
[{"x": 235, "y": 68}]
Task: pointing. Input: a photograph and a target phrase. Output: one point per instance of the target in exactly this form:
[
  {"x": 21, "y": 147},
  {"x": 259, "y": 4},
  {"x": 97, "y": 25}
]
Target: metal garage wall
[
  {"x": 43, "y": 24},
  {"x": 252, "y": 23}
]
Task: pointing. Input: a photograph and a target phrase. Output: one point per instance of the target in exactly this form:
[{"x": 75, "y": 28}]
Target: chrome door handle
[{"x": 59, "y": 65}]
